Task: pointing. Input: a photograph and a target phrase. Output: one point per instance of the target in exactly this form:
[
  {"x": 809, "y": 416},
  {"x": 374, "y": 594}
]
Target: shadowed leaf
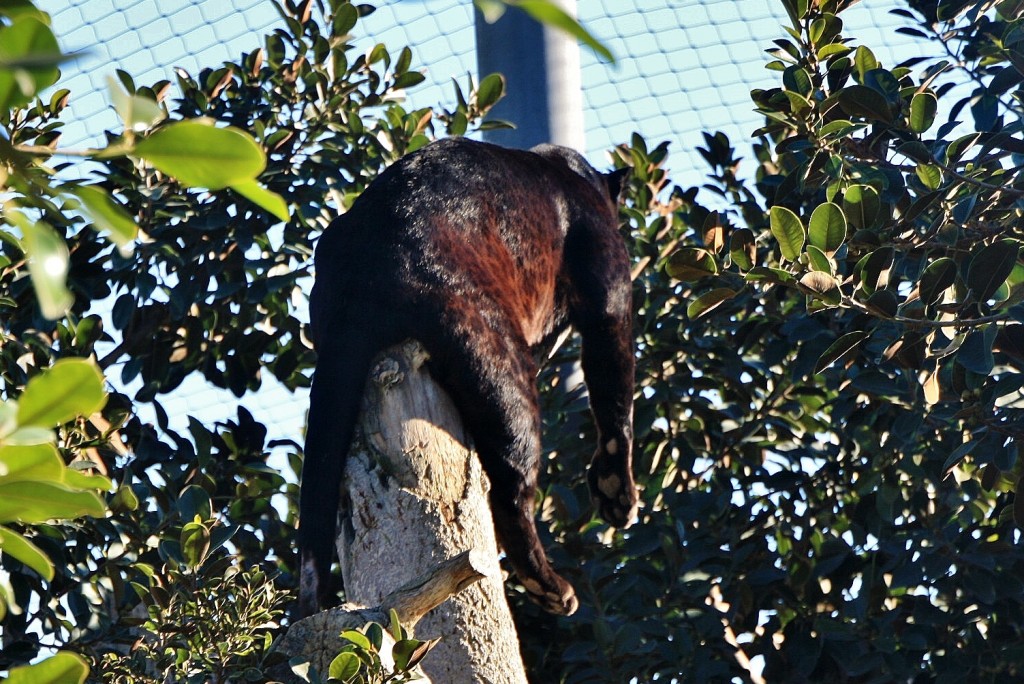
[{"x": 840, "y": 349}]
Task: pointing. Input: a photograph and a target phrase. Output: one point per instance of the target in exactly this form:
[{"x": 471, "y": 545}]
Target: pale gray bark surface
[
  {"x": 317, "y": 638},
  {"x": 417, "y": 497}
]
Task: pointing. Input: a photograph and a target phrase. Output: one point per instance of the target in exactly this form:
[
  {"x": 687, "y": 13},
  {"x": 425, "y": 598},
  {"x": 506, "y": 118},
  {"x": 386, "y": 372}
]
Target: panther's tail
[{"x": 335, "y": 399}]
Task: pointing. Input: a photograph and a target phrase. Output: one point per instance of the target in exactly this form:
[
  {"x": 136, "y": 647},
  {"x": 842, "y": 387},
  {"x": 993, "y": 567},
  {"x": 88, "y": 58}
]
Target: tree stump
[{"x": 417, "y": 496}]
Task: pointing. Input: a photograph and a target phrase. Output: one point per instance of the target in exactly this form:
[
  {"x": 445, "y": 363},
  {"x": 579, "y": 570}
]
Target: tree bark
[
  {"x": 317, "y": 639},
  {"x": 416, "y": 496}
]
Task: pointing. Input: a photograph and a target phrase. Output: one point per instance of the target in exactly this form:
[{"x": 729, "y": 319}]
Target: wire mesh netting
[{"x": 683, "y": 67}]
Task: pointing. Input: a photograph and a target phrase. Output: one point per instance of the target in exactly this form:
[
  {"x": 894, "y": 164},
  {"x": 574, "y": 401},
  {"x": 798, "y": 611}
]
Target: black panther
[{"x": 483, "y": 254}]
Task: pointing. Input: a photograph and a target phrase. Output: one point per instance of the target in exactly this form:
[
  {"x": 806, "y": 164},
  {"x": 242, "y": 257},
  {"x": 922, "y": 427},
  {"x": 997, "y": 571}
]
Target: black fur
[{"x": 483, "y": 254}]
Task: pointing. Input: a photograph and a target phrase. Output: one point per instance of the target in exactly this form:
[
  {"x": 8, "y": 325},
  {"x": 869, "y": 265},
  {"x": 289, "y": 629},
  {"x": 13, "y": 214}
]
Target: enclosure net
[{"x": 682, "y": 67}]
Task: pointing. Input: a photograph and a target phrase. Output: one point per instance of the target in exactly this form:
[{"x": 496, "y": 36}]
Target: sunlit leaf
[
  {"x": 40, "y": 462},
  {"x": 137, "y": 112},
  {"x": 490, "y": 90},
  {"x": 709, "y": 301},
  {"x": 107, "y": 215},
  {"x": 743, "y": 249},
  {"x": 344, "y": 667},
  {"x": 861, "y": 205},
  {"x": 195, "y": 542},
  {"x": 788, "y": 231},
  {"x": 61, "y": 668},
  {"x": 16, "y": 546},
  {"x": 819, "y": 261},
  {"x": 922, "y": 112},
  {"x": 827, "y": 229},
  {"x": 70, "y": 388},
  {"x": 691, "y": 263},
  {"x": 199, "y": 154},
  {"x": 261, "y": 197},
  {"x": 551, "y": 14},
  {"x": 36, "y": 502},
  {"x": 48, "y": 266},
  {"x": 29, "y": 55},
  {"x": 930, "y": 175},
  {"x": 357, "y": 638}
]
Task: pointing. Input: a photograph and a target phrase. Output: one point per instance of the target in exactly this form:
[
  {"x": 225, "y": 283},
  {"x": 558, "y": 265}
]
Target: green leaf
[
  {"x": 691, "y": 263},
  {"x": 936, "y": 279},
  {"x": 409, "y": 652},
  {"x": 25, "y": 551},
  {"x": 551, "y": 14},
  {"x": 75, "y": 479},
  {"x": 344, "y": 19},
  {"x": 833, "y": 50},
  {"x": 408, "y": 80},
  {"x": 743, "y": 249},
  {"x": 819, "y": 261},
  {"x": 858, "y": 100},
  {"x": 838, "y": 128},
  {"x": 47, "y": 266},
  {"x": 840, "y": 349},
  {"x": 923, "y": 107},
  {"x": 990, "y": 267},
  {"x": 195, "y": 542},
  {"x": 107, "y": 215},
  {"x": 708, "y": 301},
  {"x": 357, "y": 638},
  {"x": 194, "y": 501},
  {"x": 62, "y": 668},
  {"x": 261, "y": 197},
  {"x": 198, "y": 154},
  {"x": 29, "y": 55},
  {"x": 344, "y": 667},
  {"x": 797, "y": 80},
  {"x": 776, "y": 276},
  {"x": 930, "y": 175},
  {"x": 873, "y": 269},
  {"x": 864, "y": 61},
  {"x": 39, "y": 462},
  {"x": 30, "y": 436},
  {"x": 125, "y": 499},
  {"x": 789, "y": 230},
  {"x": 861, "y": 206},
  {"x": 395, "y": 626},
  {"x": 138, "y": 113},
  {"x": 491, "y": 89},
  {"x": 375, "y": 633},
  {"x": 827, "y": 228},
  {"x": 70, "y": 388},
  {"x": 36, "y": 502}
]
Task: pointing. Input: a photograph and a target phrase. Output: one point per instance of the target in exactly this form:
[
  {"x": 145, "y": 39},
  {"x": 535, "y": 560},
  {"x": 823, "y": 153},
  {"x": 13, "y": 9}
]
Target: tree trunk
[{"x": 416, "y": 497}]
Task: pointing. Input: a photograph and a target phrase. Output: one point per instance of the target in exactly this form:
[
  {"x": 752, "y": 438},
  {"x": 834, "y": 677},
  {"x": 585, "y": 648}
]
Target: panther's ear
[{"x": 617, "y": 181}]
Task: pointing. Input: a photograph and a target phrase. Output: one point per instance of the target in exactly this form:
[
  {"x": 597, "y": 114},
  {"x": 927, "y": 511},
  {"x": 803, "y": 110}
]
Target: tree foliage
[
  {"x": 202, "y": 276},
  {"x": 830, "y": 382},
  {"x": 829, "y": 361}
]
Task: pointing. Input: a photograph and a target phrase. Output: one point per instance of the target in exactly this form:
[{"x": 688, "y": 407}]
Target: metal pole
[{"x": 541, "y": 66}]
